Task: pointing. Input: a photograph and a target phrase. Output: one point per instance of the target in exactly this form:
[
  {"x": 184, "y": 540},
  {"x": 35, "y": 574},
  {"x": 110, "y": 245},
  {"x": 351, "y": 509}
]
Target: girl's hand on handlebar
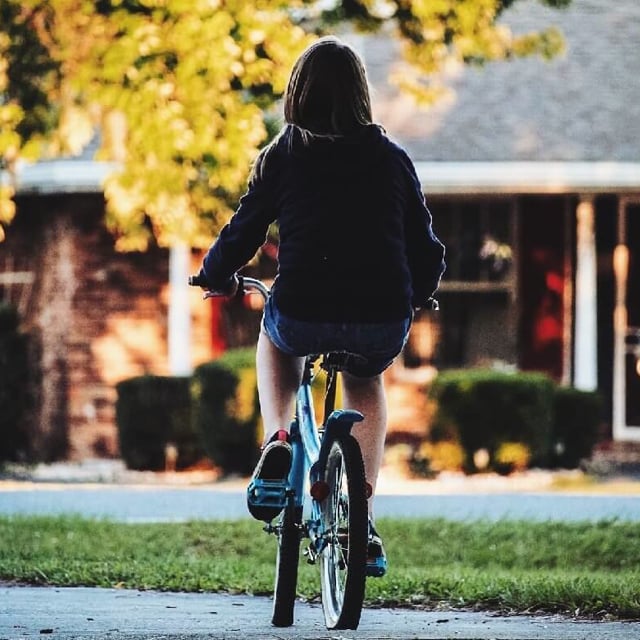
[
  {"x": 229, "y": 289},
  {"x": 232, "y": 288}
]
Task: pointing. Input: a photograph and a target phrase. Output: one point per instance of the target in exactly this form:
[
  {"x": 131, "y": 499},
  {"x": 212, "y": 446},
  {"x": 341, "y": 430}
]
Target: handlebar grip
[{"x": 197, "y": 281}]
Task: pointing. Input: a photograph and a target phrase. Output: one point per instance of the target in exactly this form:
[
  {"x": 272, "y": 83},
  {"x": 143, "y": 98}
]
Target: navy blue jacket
[{"x": 356, "y": 241}]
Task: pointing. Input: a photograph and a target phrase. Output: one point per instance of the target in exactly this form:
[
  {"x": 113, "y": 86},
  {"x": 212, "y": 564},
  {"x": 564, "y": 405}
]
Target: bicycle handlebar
[
  {"x": 432, "y": 304},
  {"x": 245, "y": 285},
  {"x": 253, "y": 284}
]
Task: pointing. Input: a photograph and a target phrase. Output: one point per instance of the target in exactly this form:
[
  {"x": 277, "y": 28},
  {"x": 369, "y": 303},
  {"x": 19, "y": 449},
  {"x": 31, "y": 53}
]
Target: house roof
[
  {"x": 582, "y": 106},
  {"x": 70, "y": 174},
  {"x": 63, "y": 175},
  {"x": 586, "y": 178}
]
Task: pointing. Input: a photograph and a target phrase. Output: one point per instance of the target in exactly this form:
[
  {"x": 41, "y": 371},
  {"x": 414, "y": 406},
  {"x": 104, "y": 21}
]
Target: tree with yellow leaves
[{"x": 179, "y": 89}]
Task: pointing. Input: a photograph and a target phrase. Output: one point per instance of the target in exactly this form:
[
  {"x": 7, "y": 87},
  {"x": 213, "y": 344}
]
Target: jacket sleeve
[
  {"x": 245, "y": 233},
  {"x": 425, "y": 252}
]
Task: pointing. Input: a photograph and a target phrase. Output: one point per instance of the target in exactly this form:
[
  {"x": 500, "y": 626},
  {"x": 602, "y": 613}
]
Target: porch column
[
  {"x": 620, "y": 323},
  {"x": 179, "y": 333},
  {"x": 586, "y": 334}
]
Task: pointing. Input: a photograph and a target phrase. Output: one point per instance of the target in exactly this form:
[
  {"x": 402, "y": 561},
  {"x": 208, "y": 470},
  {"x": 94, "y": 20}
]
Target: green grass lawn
[{"x": 580, "y": 569}]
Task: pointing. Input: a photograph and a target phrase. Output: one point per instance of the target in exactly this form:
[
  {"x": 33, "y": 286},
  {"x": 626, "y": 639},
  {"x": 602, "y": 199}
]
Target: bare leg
[
  {"x": 279, "y": 376},
  {"x": 367, "y": 395}
]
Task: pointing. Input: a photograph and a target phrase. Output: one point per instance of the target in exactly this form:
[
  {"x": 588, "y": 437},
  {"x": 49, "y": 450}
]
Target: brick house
[
  {"x": 539, "y": 161},
  {"x": 532, "y": 172},
  {"x": 95, "y": 316}
]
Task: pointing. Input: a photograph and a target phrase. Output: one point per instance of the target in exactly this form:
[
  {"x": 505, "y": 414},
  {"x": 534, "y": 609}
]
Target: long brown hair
[
  {"x": 328, "y": 93},
  {"x": 327, "y": 96}
]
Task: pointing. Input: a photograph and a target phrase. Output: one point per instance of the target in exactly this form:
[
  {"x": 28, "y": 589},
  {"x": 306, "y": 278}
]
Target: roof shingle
[{"x": 582, "y": 106}]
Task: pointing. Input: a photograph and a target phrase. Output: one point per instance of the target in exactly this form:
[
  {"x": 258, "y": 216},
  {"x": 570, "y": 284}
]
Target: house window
[
  {"x": 479, "y": 239},
  {"x": 476, "y": 325},
  {"x": 15, "y": 285}
]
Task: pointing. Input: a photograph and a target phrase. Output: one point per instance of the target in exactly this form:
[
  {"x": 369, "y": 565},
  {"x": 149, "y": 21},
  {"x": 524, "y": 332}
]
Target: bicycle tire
[
  {"x": 343, "y": 567},
  {"x": 287, "y": 560}
]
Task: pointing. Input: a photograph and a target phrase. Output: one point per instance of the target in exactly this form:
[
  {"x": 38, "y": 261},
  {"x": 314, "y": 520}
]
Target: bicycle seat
[{"x": 338, "y": 360}]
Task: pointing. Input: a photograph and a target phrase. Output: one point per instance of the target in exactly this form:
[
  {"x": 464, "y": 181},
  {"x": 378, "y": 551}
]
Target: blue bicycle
[{"x": 323, "y": 500}]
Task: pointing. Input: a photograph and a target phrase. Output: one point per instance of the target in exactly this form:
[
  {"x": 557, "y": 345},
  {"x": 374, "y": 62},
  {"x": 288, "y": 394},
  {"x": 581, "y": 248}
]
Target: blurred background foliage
[{"x": 181, "y": 92}]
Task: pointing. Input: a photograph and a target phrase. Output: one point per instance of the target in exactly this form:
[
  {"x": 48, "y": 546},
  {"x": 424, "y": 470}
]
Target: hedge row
[
  {"x": 514, "y": 419},
  {"x": 213, "y": 413},
  {"x": 153, "y": 413},
  {"x": 14, "y": 382},
  {"x": 225, "y": 410}
]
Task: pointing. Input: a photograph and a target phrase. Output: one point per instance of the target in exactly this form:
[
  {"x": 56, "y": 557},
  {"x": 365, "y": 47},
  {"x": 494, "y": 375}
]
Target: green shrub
[
  {"x": 226, "y": 410},
  {"x": 14, "y": 381},
  {"x": 577, "y": 418},
  {"x": 484, "y": 409},
  {"x": 153, "y": 412}
]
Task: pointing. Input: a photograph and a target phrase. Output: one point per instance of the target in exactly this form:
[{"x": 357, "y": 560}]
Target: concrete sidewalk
[{"x": 65, "y": 613}]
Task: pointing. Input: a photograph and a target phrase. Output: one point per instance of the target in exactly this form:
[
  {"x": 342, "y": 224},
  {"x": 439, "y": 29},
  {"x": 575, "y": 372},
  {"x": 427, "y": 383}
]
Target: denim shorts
[{"x": 377, "y": 343}]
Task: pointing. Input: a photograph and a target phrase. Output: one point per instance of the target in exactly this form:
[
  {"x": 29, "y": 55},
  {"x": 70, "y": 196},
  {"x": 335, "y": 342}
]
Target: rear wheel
[
  {"x": 284, "y": 596},
  {"x": 343, "y": 562}
]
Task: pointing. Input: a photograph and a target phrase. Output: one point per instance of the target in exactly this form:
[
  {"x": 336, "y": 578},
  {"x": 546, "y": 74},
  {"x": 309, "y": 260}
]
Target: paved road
[
  {"x": 158, "y": 503},
  {"x": 64, "y": 613}
]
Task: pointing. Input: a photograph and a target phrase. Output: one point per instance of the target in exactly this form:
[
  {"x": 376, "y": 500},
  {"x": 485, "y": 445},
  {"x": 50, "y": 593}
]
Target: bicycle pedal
[
  {"x": 266, "y": 498},
  {"x": 268, "y": 493}
]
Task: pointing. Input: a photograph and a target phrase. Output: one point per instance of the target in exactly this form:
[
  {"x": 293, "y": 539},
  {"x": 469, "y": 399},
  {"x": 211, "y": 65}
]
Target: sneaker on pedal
[
  {"x": 266, "y": 491},
  {"x": 376, "y": 557}
]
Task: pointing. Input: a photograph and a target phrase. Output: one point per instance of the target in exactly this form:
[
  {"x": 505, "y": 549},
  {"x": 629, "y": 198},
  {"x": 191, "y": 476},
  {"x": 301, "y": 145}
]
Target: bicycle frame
[{"x": 310, "y": 448}]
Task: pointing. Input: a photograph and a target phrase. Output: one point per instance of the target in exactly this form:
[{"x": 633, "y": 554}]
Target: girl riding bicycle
[{"x": 357, "y": 252}]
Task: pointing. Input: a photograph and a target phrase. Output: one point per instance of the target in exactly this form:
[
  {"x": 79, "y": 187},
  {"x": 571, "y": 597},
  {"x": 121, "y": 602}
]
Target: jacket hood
[{"x": 360, "y": 147}]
